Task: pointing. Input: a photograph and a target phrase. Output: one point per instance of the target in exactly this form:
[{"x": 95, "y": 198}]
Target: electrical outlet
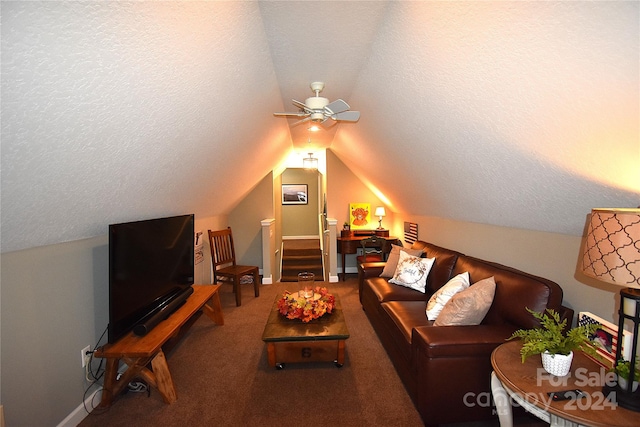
[{"x": 86, "y": 355}]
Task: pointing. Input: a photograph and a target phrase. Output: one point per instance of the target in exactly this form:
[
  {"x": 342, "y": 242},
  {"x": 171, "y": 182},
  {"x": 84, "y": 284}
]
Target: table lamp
[
  {"x": 612, "y": 254},
  {"x": 380, "y": 213}
]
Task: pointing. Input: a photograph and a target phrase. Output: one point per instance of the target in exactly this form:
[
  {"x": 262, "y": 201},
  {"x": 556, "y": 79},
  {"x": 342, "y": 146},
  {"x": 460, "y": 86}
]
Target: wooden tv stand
[{"x": 138, "y": 352}]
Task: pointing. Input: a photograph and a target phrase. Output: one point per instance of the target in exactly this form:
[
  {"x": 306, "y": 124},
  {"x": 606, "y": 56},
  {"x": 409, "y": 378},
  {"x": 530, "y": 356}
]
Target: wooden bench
[{"x": 138, "y": 352}]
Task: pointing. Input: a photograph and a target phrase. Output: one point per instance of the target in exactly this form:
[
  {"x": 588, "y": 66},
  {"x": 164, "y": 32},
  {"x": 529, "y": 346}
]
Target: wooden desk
[
  {"x": 138, "y": 352},
  {"x": 351, "y": 244},
  {"x": 528, "y": 384}
]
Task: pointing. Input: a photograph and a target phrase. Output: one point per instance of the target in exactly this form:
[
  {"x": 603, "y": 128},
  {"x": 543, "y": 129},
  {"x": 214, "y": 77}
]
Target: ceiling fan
[{"x": 318, "y": 109}]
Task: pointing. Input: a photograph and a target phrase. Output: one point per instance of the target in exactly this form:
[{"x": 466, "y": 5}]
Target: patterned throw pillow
[
  {"x": 394, "y": 257},
  {"x": 412, "y": 271},
  {"x": 438, "y": 300},
  {"x": 468, "y": 307}
]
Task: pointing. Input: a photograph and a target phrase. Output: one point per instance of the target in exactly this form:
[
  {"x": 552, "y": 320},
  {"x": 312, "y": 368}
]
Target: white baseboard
[
  {"x": 315, "y": 236},
  {"x": 80, "y": 413},
  {"x": 333, "y": 279}
]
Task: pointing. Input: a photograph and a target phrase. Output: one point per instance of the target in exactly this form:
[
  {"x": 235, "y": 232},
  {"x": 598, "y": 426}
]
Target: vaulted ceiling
[{"x": 518, "y": 114}]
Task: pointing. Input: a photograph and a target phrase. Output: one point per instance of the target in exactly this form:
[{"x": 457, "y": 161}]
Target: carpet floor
[{"x": 222, "y": 377}]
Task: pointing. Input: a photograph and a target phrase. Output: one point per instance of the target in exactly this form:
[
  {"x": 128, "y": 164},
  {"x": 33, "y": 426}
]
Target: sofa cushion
[
  {"x": 438, "y": 300},
  {"x": 469, "y": 306},
  {"x": 385, "y": 291},
  {"x": 412, "y": 271},
  {"x": 394, "y": 257},
  {"x": 405, "y": 315},
  {"x": 442, "y": 269},
  {"x": 515, "y": 291}
]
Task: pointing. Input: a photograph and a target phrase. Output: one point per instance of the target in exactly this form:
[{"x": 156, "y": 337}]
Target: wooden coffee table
[{"x": 293, "y": 341}]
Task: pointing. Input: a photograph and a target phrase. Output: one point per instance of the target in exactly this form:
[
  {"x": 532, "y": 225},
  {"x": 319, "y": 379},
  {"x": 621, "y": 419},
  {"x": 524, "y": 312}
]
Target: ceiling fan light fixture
[
  {"x": 318, "y": 109},
  {"x": 317, "y": 117}
]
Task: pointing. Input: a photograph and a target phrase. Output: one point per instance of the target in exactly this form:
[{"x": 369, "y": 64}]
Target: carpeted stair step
[
  {"x": 301, "y": 256},
  {"x": 290, "y": 252},
  {"x": 302, "y": 259}
]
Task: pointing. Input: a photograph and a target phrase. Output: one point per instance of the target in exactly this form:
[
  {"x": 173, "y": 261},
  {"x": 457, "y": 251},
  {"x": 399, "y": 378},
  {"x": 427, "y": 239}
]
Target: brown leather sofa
[{"x": 446, "y": 369}]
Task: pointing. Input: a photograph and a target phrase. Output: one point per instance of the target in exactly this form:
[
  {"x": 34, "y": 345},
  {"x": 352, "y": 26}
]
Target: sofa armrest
[
  {"x": 452, "y": 365},
  {"x": 371, "y": 269},
  {"x": 366, "y": 270},
  {"x": 566, "y": 313},
  {"x": 460, "y": 341}
]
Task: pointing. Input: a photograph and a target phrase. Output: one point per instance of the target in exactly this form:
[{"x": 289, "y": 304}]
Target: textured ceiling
[{"x": 518, "y": 114}]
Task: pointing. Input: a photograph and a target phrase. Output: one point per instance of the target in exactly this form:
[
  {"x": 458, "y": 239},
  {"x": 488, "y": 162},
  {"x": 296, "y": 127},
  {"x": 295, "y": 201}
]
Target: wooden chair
[
  {"x": 225, "y": 269},
  {"x": 372, "y": 249}
]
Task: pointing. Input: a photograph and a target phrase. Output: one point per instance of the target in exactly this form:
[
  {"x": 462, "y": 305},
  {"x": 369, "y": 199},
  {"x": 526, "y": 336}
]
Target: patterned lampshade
[{"x": 612, "y": 248}]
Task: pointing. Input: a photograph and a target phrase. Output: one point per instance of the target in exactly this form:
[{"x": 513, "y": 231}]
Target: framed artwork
[
  {"x": 294, "y": 194},
  {"x": 607, "y": 338},
  {"x": 360, "y": 216},
  {"x": 410, "y": 232}
]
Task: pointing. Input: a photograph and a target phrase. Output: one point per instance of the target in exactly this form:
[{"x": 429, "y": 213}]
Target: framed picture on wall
[
  {"x": 294, "y": 194},
  {"x": 360, "y": 216}
]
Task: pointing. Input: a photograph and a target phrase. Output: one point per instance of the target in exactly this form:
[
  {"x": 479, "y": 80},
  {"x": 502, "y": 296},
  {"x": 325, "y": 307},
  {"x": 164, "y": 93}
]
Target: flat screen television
[{"x": 150, "y": 272}]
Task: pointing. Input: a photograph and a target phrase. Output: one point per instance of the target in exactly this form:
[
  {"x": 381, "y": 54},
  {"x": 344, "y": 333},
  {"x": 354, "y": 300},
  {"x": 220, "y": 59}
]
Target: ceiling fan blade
[
  {"x": 299, "y": 104},
  {"x": 347, "y": 116},
  {"x": 328, "y": 123},
  {"x": 337, "y": 106},
  {"x": 306, "y": 119},
  {"x": 301, "y": 114}
]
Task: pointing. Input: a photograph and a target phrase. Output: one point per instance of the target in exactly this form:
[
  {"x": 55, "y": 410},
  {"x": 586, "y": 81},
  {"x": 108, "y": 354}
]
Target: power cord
[{"x": 94, "y": 377}]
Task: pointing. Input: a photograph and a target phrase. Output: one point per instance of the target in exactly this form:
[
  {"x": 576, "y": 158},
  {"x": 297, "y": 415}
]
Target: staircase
[{"x": 301, "y": 255}]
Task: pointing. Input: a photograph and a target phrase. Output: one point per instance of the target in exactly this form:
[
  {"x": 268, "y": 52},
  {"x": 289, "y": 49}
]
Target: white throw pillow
[
  {"x": 394, "y": 257},
  {"x": 468, "y": 307},
  {"x": 412, "y": 271},
  {"x": 438, "y": 300}
]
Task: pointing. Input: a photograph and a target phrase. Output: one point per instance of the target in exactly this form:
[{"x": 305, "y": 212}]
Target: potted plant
[
  {"x": 622, "y": 370},
  {"x": 346, "y": 230},
  {"x": 554, "y": 344}
]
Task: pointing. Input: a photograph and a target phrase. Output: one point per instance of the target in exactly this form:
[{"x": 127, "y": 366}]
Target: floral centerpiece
[{"x": 293, "y": 306}]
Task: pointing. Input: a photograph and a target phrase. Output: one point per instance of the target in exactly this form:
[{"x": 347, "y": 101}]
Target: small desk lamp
[
  {"x": 380, "y": 213},
  {"x": 612, "y": 254}
]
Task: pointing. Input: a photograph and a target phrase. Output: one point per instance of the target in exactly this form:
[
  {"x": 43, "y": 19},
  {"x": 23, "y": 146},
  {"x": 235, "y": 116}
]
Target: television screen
[{"x": 150, "y": 263}]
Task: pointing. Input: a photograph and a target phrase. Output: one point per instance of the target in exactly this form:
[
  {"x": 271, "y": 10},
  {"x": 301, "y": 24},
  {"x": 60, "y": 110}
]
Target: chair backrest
[
  {"x": 223, "y": 252},
  {"x": 372, "y": 245}
]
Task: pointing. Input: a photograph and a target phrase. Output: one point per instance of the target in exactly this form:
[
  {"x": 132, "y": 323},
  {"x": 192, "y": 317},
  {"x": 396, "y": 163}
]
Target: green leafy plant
[
  {"x": 623, "y": 369},
  {"x": 551, "y": 336}
]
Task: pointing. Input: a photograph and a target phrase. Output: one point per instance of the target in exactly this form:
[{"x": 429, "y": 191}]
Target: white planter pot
[
  {"x": 623, "y": 384},
  {"x": 557, "y": 364}
]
